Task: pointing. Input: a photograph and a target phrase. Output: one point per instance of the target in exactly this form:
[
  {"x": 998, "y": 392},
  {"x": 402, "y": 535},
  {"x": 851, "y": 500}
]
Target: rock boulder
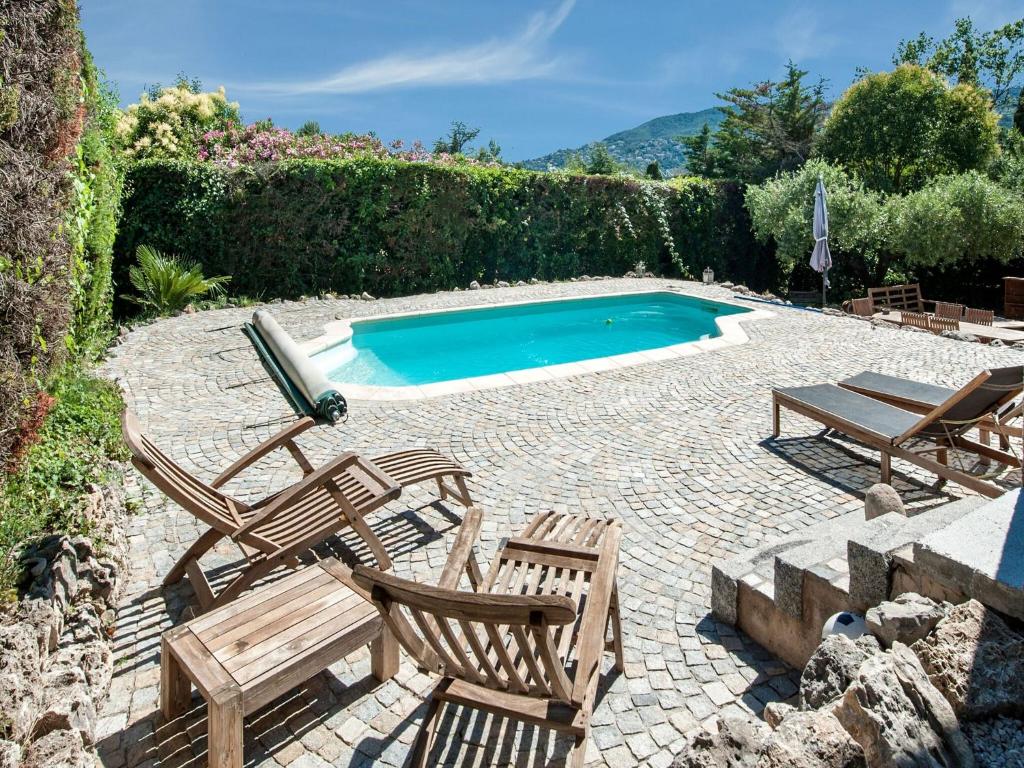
[
  {"x": 831, "y": 668},
  {"x": 907, "y": 619},
  {"x": 810, "y": 740}
]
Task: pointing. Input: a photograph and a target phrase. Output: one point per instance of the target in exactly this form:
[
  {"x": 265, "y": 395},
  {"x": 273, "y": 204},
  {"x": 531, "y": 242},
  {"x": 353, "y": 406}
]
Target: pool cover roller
[{"x": 302, "y": 383}]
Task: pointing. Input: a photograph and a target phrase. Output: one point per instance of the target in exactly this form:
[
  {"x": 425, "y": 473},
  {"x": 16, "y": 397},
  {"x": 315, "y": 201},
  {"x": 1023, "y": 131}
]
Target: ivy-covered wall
[{"x": 392, "y": 227}]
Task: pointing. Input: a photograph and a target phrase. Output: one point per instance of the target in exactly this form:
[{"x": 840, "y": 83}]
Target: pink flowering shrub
[{"x": 258, "y": 143}]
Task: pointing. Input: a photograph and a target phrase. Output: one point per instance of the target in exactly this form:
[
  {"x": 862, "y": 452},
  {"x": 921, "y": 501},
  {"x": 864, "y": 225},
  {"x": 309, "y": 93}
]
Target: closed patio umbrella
[{"x": 821, "y": 258}]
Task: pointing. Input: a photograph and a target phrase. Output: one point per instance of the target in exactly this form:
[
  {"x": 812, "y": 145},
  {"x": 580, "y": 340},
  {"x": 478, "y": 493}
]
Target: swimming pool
[{"x": 425, "y": 349}]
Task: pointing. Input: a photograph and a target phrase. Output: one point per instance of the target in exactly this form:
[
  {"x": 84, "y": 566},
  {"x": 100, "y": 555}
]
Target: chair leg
[
  {"x": 242, "y": 581},
  {"x": 466, "y": 499},
  {"x": 197, "y": 550},
  {"x": 420, "y": 754},
  {"x": 225, "y": 726},
  {"x": 175, "y": 687},
  {"x": 442, "y": 492},
  {"x": 384, "y": 655},
  {"x": 579, "y": 751},
  {"x": 615, "y": 617},
  {"x": 886, "y": 468}
]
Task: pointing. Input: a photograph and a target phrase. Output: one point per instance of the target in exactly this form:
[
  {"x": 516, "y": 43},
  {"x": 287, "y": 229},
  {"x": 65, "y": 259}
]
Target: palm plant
[{"x": 166, "y": 284}]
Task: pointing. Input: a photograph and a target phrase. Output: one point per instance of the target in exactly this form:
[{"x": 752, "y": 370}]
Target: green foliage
[
  {"x": 898, "y": 129},
  {"x": 597, "y": 162},
  {"x": 390, "y": 227},
  {"x": 79, "y": 439},
  {"x": 782, "y": 209},
  {"x": 458, "y": 139},
  {"x": 967, "y": 218},
  {"x": 309, "y": 128},
  {"x": 1018, "y": 115},
  {"x": 165, "y": 284},
  {"x": 169, "y": 123},
  {"x": 993, "y": 60},
  {"x": 768, "y": 128},
  {"x": 653, "y": 171}
]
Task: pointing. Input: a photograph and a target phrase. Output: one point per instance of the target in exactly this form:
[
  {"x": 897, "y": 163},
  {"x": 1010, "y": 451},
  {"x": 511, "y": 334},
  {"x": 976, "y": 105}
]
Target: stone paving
[{"x": 680, "y": 450}]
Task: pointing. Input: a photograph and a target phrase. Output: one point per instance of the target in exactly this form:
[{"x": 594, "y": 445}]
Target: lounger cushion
[
  {"x": 898, "y": 388},
  {"x": 841, "y": 405}
]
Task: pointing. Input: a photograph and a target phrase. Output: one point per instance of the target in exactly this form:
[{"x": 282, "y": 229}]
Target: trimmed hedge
[{"x": 391, "y": 227}]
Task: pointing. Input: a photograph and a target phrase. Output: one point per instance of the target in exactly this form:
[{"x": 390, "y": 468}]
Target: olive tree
[{"x": 898, "y": 129}]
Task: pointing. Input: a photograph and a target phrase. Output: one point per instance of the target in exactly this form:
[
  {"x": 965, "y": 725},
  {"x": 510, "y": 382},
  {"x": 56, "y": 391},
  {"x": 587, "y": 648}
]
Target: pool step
[{"x": 781, "y": 592}]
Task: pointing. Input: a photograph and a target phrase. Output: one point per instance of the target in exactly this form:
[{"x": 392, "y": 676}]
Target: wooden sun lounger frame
[
  {"x": 894, "y": 448},
  {"x": 268, "y": 531},
  {"x": 505, "y": 647}
]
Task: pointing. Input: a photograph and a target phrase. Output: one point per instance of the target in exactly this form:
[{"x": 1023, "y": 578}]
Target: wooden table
[
  {"x": 250, "y": 651},
  {"x": 983, "y": 332}
]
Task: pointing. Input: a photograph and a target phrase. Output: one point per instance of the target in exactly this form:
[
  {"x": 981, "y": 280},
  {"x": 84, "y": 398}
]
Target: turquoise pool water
[{"x": 428, "y": 348}]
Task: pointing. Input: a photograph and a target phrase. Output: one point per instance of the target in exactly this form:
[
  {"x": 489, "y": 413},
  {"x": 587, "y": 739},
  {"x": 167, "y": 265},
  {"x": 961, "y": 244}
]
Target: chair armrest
[
  {"x": 461, "y": 557},
  {"x": 591, "y": 638},
  {"x": 281, "y": 439},
  {"x": 289, "y": 495}
]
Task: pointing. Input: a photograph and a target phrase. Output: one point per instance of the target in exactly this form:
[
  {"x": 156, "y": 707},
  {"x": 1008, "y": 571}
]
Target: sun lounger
[
  {"x": 527, "y": 644},
  {"x": 275, "y": 530},
  {"x": 892, "y": 430}
]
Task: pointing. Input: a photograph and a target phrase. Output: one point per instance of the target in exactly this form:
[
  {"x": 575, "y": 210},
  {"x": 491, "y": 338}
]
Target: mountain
[
  {"x": 1008, "y": 107},
  {"x": 636, "y": 147}
]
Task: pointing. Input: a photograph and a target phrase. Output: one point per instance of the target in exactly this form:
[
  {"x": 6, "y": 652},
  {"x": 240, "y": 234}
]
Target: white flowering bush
[{"x": 170, "y": 123}]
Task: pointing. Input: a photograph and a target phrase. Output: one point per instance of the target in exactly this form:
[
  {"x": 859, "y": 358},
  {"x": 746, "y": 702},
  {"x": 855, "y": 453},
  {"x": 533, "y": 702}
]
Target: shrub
[
  {"x": 392, "y": 227},
  {"x": 171, "y": 122},
  {"x": 79, "y": 440},
  {"x": 166, "y": 284},
  {"x": 257, "y": 143}
]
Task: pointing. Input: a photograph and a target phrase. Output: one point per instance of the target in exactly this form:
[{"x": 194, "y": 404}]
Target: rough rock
[
  {"x": 997, "y": 743},
  {"x": 997, "y": 343},
  {"x": 520, "y": 283},
  {"x": 741, "y": 289},
  {"x": 10, "y": 754},
  {"x": 20, "y": 662},
  {"x": 59, "y": 749},
  {"x": 502, "y": 284},
  {"x": 68, "y": 705},
  {"x": 976, "y": 661},
  {"x": 366, "y": 296},
  {"x": 777, "y": 711},
  {"x": 810, "y": 740},
  {"x": 831, "y": 668},
  {"x": 907, "y": 619},
  {"x": 534, "y": 281},
  {"x": 881, "y": 499},
  {"x": 959, "y": 335},
  {"x": 726, "y": 284},
  {"x": 899, "y": 718},
  {"x": 735, "y": 745},
  {"x": 474, "y": 286}
]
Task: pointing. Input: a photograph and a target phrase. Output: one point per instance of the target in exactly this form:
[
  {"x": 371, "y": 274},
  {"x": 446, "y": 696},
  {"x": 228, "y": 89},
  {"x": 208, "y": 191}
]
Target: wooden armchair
[
  {"x": 979, "y": 316},
  {"x": 527, "y": 643},
  {"x": 949, "y": 310}
]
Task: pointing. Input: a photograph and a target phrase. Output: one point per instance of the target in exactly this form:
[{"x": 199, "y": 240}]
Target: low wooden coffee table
[{"x": 249, "y": 652}]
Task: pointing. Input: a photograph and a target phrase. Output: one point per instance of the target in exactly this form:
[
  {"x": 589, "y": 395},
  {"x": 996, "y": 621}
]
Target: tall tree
[
  {"x": 702, "y": 158},
  {"x": 1018, "y": 116},
  {"x": 459, "y": 136},
  {"x": 768, "y": 128},
  {"x": 898, "y": 129},
  {"x": 993, "y": 60}
]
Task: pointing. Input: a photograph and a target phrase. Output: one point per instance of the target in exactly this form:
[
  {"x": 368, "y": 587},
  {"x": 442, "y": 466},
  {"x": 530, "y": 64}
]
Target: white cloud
[
  {"x": 801, "y": 35},
  {"x": 523, "y": 57}
]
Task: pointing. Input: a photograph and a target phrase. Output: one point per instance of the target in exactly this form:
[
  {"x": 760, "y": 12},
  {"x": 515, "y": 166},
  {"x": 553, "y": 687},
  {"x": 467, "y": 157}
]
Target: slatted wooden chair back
[
  {"x": 505, "y": 642},
  {"x": 983, "y": 395},
  {"x": 949, "y": 309},
  {"x": 864, "y": 307},
  {"x": 903, "y": 297},
  {"x": 214, "y": 508},
  {"x": 938, "y": 324},
  {"x": 979, "y": 316},
  {"x": 915, "y": 320}
]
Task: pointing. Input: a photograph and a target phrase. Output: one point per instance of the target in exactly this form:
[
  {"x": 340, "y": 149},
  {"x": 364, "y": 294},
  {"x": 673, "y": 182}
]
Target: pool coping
[{"x": 340, "y": 331}]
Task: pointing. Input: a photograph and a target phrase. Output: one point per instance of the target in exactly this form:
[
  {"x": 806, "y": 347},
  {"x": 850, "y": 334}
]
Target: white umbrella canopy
[{"x": 821, "y": 258}]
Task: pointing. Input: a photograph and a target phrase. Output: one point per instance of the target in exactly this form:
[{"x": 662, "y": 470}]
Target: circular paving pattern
[{"x": 679, "y": 450}]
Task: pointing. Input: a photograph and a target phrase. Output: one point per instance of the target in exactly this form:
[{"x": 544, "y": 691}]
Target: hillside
[{"x": 653, "y": 140}]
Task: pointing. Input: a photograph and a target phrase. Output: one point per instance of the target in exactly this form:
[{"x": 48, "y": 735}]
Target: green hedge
[{"x": 390, "y": 227}]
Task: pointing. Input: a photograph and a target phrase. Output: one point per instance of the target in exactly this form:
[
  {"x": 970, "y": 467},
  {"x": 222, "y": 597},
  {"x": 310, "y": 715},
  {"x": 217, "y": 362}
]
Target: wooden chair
[
  {"x": 892, "y": 430},
  {"x": 949, "y": 309},
  {"x": 862, "y": 307},
  {"x": 979, "y": 316},
  {"x": 902, "y": 297},
  {"x": 938, "y": 324},
  {"x": 527, "y": 643},
  {"x": 915, "y": 320},
  {"x": 278, "y": 528}
]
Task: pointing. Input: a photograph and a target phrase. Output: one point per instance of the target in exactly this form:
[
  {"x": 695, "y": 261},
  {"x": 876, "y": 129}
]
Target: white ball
[{"x": 844, "y": 623}]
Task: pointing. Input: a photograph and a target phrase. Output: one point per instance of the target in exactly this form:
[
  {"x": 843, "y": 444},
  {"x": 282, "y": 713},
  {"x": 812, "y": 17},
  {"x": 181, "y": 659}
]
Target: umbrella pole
[{"x": 824, "y": 284}]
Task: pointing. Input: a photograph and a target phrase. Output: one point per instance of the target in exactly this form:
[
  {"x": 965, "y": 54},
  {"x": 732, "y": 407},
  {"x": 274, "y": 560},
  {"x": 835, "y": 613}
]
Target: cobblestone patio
[{"x": 678, "y": 449}]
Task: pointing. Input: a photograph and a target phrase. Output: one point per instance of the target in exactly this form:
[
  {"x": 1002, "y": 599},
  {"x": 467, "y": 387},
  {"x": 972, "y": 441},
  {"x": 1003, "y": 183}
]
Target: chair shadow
[
  {"x": 473, "y": 737},
  {"x": 833, "y": 460}
]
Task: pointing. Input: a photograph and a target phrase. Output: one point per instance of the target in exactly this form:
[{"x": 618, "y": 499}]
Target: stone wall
[
  {"x": 932, "y": 685},
  {"x": 56, "y": 658}
]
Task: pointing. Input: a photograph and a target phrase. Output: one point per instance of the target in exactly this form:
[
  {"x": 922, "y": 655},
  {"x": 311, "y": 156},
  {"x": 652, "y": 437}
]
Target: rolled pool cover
[{"x": 300, "y": 381}]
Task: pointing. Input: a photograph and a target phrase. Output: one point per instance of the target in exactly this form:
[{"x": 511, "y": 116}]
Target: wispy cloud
[
  {"x": 525, "y": 56},
  {"x": 801, "y": 34}
]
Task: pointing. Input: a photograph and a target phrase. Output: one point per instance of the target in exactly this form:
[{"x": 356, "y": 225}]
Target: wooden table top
[
  {"x": 987, "y": 332},
  {"x": 274, "y": 637}
]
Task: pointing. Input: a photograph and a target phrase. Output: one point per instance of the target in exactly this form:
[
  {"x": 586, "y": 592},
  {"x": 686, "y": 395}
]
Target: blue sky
[{"x": 535, "y": 76}]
